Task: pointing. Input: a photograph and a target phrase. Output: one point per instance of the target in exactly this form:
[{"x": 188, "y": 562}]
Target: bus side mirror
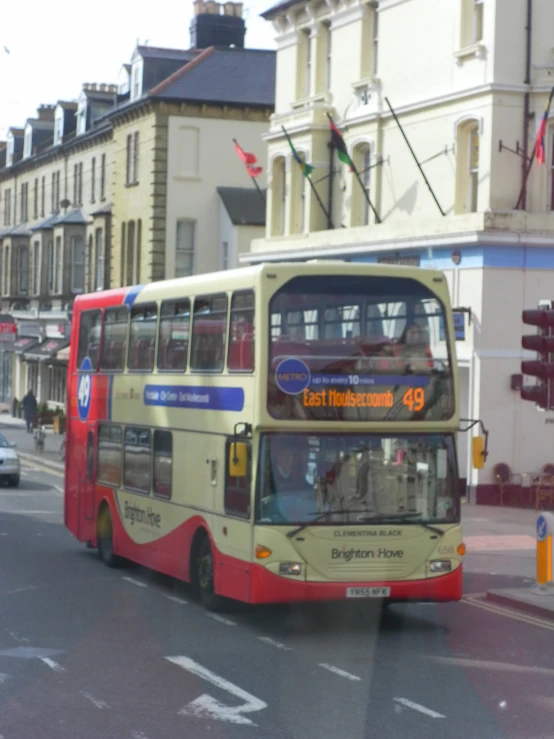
[
  {"x": 238, "y": 459},
  {"x": 478, "y": 452}
]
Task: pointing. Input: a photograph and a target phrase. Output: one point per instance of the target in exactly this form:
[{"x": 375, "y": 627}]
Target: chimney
[
  {"x": 46, "y": 112},
  {"x": 217, "y": 25}
]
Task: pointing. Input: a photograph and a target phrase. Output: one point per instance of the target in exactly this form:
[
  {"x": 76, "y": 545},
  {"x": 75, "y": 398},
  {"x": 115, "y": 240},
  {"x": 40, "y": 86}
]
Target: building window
[
  {"x": 137, "y": 459},
  {"x": 209, "y": 329},
  {"x": 43, "y": 197},
  {"x": 51, "y": 266},
  {"x": 467, "y": 176},
  {"x": 77, "y": 184},
  {"x": 82, "y": 116},
  {"x": 27, "y": 143},
  {"x": 89, "y": 277},
  {"x": 58, "y": 128},
  {"x": 23, "y": 270},
  {"x": 184, "y": 248},
  {"x": 374, "y": 62},
  {"x": 173, "y": 341},
  {"x": 308, "y": 63},
  {"x": 142, "y": 337},
  {"x": 36, "y": 267},
  {"x": 477, "y": 26},
  {"x": 279, "y": 195},
  {"x": 103, "y": 177},
  {"x": 58, "y": 272},
  {"x": 130, "y": 254},
  {"x": 361, "y": 211},
  {"x": 136, "y": 158},
  {"x": 163, "y": 463},
  {"x": 24, "y": 213},
  {"x": 7, "y": 207},
  {"x": 299, "y": 200},
  {"x": 35, "y": 198},
  {"x": 138, "y": 251},
  {"x": 7, "y": 286},
  {"x": 328, "y": 50},
  {"x": 122, "y": 254},
  {"x": 241, "y": 335},
  {"x": 99, "y": 259},
  {"x": 93, "y": 180},
  {"x": 129, "y": 162},
  {"x": 108, "y": 468},
  {"x": 53, "y": 194},
  {"x": 225, "y": 255},
  {"x": 136, "y": 83},
  {"x": 77, "y": 264},
  {"x": 56, "y": 191}
]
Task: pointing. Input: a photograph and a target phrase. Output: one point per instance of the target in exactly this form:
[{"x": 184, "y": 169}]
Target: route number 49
[
  {"x": 414, "y": 399},
  {"x": 84, "y": 391}
]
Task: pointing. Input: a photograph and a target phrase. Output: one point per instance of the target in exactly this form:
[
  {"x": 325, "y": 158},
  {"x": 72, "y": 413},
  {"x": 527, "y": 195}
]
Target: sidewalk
[{"x": 14, "y": 430}]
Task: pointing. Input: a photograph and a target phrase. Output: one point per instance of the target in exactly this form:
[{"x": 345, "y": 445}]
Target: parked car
[{"x": 9, "y": 462}]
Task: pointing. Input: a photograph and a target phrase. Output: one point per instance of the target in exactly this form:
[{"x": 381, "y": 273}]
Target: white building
[{"x": 461, "y": 76}]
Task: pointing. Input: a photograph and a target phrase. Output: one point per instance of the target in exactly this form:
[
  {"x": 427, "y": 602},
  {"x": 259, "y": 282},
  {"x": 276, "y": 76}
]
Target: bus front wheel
[
  {"x": 205, "y": 577},
  {"x": 105, "y": 538}
]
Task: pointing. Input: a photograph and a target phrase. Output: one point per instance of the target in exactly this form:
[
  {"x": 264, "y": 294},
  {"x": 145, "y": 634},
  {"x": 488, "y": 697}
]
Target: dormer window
[
  {"x": 58, "y": 127},
  {"x": 136, "y": 80},
  {"x": 123, "y": 82},
  {"x": 28, "y": 142},
  {"x": 82, "y": 115},
  {"x": 10, "y": 150}
]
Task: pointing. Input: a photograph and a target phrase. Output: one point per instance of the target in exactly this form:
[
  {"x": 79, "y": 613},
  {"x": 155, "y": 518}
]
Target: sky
[{"x": 55, "y": 47}]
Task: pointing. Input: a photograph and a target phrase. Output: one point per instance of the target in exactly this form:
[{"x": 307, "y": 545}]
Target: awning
[
  {"x": 63, "y": 355},
  {"x": 46, "y": 350},
  {"x": 24, "y": 343}
]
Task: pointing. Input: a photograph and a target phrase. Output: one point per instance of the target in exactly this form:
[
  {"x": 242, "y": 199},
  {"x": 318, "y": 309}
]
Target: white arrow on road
[{"x": 207, "y": 707}]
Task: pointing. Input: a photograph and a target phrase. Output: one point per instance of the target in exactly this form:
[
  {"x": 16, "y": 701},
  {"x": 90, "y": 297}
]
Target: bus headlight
[
  {"x": 290, "y": 568},
  {"x": 440, "y": 565}
]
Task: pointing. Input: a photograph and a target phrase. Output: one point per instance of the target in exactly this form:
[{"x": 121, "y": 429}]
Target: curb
[
  {"x": 57, "y": 466},
  {"x": 519, "y": 605}
]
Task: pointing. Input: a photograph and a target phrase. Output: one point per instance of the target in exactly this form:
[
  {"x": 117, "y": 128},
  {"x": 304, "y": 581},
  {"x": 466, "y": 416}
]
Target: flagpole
[
  {"x": 357, "y": 175},
  {"x": 415, "y": 157},
  {"x": 307, "y": 176},
  {"x": 533, "y": 157}
]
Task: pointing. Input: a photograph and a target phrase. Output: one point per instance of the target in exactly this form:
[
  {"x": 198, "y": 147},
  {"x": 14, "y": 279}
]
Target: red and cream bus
[{"x": 277, "y": 433}]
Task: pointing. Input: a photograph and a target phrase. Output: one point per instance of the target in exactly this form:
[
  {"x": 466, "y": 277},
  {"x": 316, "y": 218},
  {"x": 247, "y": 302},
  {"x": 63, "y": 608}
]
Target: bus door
[{"x": 85, "y": 476}]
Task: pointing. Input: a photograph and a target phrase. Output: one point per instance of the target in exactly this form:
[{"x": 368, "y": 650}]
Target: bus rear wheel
[
  {"x": 205, "y": 577},
  {"x": 105, "y": 538}
]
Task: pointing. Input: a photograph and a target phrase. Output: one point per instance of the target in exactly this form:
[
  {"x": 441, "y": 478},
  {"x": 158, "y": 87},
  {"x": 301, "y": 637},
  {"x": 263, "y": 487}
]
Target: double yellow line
[{"x": 476, "y": 600}]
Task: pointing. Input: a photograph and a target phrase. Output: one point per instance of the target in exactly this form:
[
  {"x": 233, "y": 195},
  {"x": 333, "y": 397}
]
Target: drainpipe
[{"x": 526, "y": 105}]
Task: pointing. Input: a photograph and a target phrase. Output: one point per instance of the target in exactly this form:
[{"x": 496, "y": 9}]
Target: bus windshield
[
  {"x": 358, "y": 349},
  {"x": 357, "y": 479}
]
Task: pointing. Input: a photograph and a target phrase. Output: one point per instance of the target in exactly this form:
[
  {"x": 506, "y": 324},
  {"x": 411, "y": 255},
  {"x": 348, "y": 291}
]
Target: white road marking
[
  {"x": 493, "y": 666},
  {"x": 220, "y": 619},
  {"x": 24, "y": 511},
  {"x": 273, "y": 643},
  {"x": 19, "y": 639},
  {"x": 53, "y": 665},
  {"x": 22, "y": 589},
  {"x": 3, "y": 677},
  {"x": 3, "y": 533},
  {"x": 135, "y": 734},
  {"x": 418, "y": 707},
  {"x": 207, "y": 707},
  {"x": 95, "y": 701},
  {"x": 175, "y": 599},
  {"x": 138, "y": 583},
  {"x": 338, "y": 671}
]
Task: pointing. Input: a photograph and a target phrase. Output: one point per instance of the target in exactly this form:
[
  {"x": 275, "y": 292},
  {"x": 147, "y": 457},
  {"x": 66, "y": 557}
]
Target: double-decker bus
[{"x": 276, "y": 433}]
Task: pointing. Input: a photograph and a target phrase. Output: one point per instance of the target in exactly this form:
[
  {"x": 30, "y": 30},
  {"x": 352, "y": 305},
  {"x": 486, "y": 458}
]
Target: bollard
[{"x": 545, "y": 531}]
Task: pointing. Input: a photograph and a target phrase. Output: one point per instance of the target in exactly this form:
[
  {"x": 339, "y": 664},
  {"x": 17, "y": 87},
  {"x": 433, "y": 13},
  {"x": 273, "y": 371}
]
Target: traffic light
[{"x": 542, "y": 393}]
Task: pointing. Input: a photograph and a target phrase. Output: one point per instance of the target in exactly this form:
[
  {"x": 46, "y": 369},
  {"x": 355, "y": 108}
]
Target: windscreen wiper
[
  {"x": 318, "y": 518},
  {"x": 398, "y": 519}
]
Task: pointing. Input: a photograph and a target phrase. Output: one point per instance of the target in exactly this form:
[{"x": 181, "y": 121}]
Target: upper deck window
[
  {"x": 241, "y": 334},
  {"x": 90, "y": 328},
  {"x": 114, "y": 346},
  {"x": 209, "y": 329},
  {"x": 173, "y": 341},
  {"x": 142, "y": 337},
  {"x": 358, "y": 349}
]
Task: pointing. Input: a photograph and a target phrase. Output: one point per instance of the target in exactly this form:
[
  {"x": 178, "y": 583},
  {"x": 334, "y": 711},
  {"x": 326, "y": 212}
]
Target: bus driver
[{"x": 291, "y": 497}]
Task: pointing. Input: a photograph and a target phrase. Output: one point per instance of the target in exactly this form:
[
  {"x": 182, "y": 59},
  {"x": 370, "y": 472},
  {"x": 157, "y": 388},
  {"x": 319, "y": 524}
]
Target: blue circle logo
[
  {"x": 292, "y": 376},
  {"x": 84, "y": 390},
  {"x": 541, "y": 528}
]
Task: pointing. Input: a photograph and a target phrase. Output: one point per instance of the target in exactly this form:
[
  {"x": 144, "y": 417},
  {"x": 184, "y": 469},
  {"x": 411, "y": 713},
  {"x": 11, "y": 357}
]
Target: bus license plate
[{"x": 367, "y": 592}]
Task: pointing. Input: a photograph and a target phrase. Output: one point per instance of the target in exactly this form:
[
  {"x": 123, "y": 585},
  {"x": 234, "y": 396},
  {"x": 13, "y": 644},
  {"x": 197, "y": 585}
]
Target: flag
[
  {"x": 243, "y": 155},
  {"x": 340, "y": 146},
  {"x": 306, "y": 168},
  {"x": 248, "y": 159},
  {"x": 540, "y": 150}
]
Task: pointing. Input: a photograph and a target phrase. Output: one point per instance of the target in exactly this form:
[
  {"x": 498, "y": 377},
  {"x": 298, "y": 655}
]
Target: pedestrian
[{"x": 30, "y": 407}]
